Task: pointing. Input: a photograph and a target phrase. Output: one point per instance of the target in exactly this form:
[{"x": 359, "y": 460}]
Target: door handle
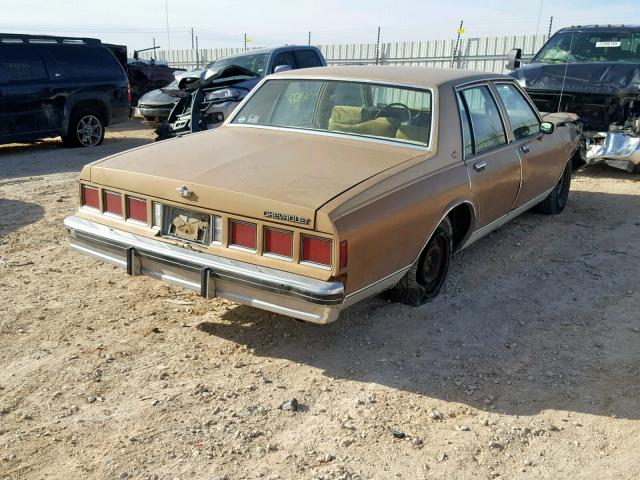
[
  {"x": 479, "y": 166},
  {"x": 525, "y": 149}
]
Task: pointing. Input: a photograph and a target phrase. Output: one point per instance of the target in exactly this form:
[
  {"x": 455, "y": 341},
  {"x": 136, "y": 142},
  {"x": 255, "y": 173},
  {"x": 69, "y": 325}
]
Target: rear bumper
[{"x": 211, "y": 276}]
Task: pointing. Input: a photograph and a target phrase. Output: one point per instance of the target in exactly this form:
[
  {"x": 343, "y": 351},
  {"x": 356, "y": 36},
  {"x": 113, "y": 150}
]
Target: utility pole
[
  {"x": 455, "y": 50},
  {"x": 245, "y": 41},
  {"x": 166, "y": 12},
  {"x": 309, "y": 39},
  {"x": 197, "y": 54},
  {"x": 192, "y": 44},
  {"x": 550, "y": 25},
  {"x": 378, "y": 47}
]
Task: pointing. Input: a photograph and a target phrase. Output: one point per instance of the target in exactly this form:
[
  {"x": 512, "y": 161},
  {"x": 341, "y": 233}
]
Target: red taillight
[
  {"x": 278, "y": 242},
  {"x": 243, "y": 234},
  {"x": 343, "y": 254},
  {"x": 129, "y": 96},
  {"x": 137, "y": 209},
  {"x": 316, "y": 250},
  {"x": 90, "y": 197},
  {"x": 113, "y": 203}
]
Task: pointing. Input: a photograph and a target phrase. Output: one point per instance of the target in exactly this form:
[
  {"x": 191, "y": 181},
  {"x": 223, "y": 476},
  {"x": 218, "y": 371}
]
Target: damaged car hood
[
  {"x": 607, "y": 78},
  {"x": 247, "y": 171}
]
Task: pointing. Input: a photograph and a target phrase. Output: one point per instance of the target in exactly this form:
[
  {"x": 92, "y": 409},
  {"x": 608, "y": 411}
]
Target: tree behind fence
[{"x": 485, "y": 53}]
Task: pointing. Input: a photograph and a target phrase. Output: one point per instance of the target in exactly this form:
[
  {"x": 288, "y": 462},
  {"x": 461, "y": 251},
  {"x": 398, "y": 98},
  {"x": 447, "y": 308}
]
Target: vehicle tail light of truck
[
  {"x": 278, "y": 242},
  {"x": 113, "y": 203},
  {"x": 90, "y": 197},
  {"x": 129, "y": 96},
  {"x": 137, "y": 209},
  {"x": 243, "y": 234},
  {"x": 316, "y": 250},
  {"x": 343, "y": 254},
  {"x": 217, "y": 229}
]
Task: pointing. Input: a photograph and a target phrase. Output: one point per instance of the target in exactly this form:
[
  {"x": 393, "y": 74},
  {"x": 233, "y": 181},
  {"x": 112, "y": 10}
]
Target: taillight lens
[
  {"x": 90, "y": 197},
  {"x": 113, "y": 203},
  {"x": 137, "y": 209},
  {"x": 278, "y": 242},
  {"x": 129, "y": 96},
  {"x": 316, "y": 250},
  {"x": 243, "y": 234},
  {"x": 343, "y": 254}
]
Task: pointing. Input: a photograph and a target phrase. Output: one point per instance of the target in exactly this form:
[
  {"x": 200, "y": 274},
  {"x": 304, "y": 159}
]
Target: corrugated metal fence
[{"x": 479, "y": 53}]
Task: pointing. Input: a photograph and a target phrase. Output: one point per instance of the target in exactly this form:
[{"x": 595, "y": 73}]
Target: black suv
[{"x": 55, "y": 86}]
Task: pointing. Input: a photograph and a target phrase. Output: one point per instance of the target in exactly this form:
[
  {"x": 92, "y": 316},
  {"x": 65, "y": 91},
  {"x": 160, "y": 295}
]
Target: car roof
[
  {"x": 266, "y": 50},
  {"x": 427, "y": 77},
  {"x": 601, "y": 28}
]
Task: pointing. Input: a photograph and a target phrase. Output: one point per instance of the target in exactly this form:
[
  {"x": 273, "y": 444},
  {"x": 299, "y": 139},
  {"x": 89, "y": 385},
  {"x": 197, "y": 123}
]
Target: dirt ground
[{"x": 527, "y": 367}]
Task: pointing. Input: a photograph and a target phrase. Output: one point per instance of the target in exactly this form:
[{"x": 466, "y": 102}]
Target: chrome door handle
[
  {"x": 479, "y": 166},
  {"x": 525, "y": 149}
]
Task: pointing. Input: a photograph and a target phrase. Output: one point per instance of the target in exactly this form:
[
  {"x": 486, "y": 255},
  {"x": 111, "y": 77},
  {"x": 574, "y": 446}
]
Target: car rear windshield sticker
[{"x": 607, "y": 44}]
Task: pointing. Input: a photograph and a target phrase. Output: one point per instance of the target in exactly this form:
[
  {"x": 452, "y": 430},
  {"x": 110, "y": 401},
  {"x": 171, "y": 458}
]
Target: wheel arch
[{"x": 85, "y": 100}]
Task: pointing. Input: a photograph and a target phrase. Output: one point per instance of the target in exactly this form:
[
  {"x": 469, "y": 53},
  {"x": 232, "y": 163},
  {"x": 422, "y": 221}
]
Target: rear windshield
[
  {"x": 395, "y": 113},
  {"x": 573, "y": 47}
]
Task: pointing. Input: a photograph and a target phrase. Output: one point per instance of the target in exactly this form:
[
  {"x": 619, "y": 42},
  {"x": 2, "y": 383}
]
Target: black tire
[
  {"x": 86, "y": 129},
  {"x": 425, "y": 278},
  {"x": 557, "y": 199}
]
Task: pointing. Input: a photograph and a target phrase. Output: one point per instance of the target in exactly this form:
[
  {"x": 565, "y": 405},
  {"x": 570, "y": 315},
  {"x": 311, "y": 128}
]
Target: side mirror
[
  {"x": 514, "y": 59},
  {"x": 547, "y": 127},
  {"x": 282, "y": 68}
]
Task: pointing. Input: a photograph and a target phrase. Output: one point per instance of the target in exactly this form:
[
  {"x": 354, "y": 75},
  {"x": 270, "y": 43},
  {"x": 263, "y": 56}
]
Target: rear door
[
  {"x": 25, "y": 88},
  {"x": 492, "y": 162},
  {"x": 540, "y": 154}
]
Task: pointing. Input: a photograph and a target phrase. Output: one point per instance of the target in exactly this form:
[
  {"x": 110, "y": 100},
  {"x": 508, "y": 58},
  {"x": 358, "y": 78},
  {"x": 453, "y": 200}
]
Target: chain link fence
[{"x": 475, "y": 53}]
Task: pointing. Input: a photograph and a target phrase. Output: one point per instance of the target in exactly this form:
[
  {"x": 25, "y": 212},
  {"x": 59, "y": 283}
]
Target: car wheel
[
  {"x": 425, "y": 278},
  {"x": 86, "y": 129},
  {"x": 557, "y": 199}
]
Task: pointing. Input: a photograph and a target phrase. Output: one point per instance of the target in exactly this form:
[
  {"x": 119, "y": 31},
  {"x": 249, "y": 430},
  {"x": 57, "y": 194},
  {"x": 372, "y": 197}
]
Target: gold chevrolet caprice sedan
[{"x": 327, "y": 186}]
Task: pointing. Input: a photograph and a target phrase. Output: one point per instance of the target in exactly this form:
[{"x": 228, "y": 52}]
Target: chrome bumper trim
[{"x": 212, "y": 276}]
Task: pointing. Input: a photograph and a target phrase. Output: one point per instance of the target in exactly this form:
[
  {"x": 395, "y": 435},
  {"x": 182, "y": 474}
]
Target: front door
[
  {"x": 492, "y": 162},
  {"x": 541, "y": 165}
]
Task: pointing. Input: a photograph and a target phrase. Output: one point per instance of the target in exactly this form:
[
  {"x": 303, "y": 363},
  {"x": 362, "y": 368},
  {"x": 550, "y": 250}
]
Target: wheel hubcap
[
  {"x": 435, "y": 259},
  {"x": 89, "y": 131}
]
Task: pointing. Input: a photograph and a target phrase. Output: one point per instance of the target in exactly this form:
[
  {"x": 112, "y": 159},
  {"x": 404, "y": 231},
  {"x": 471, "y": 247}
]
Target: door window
[
  {"x": 524, "y": 121},
  {"x": 488, "y": 131},
  {"x": 80, "y": 61},
  {"x": 284, "y": 59},
  {"x": 307, "y": 58},
  {"x": 20, "y": 63}
]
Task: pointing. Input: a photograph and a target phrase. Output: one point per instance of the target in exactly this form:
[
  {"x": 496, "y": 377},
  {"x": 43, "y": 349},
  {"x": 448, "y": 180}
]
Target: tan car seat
[{"x": 357, "y": 120}]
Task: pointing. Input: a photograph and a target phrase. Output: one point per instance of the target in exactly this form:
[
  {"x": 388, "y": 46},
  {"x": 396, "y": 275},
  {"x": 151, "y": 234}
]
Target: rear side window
[
  {"x": 488, "y": 131},
  {"x": 79, "y": 61},
  {"x": 307, "y": 58},
  {"x": 524, "y": 121},
  {"x": 20, "y": 63}
]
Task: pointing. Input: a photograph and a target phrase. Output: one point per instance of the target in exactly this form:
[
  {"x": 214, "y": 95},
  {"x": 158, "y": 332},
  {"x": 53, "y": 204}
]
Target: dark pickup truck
[
  {"x": 59, "y": 86},
  {"x": 594, "y": 72}
]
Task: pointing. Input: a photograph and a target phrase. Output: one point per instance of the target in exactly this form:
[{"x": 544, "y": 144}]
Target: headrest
[{"x": 348, "y": 115}]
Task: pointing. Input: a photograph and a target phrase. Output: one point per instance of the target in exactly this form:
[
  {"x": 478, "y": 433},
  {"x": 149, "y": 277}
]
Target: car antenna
[{"x": 564, "y": 77}]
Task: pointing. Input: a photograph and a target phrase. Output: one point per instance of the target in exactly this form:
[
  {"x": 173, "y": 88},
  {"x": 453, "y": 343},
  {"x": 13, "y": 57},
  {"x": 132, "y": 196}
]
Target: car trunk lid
[{"x": 249, "y": 171}]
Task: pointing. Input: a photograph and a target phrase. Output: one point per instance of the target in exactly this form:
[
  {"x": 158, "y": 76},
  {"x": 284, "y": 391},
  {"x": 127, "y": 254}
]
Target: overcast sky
[{"x": 222, "y": 23}]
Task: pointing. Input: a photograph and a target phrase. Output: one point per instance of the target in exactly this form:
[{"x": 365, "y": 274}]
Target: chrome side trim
[
  {"x": 481, "y": 232},
  {"x": 374, "y": 288}
]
